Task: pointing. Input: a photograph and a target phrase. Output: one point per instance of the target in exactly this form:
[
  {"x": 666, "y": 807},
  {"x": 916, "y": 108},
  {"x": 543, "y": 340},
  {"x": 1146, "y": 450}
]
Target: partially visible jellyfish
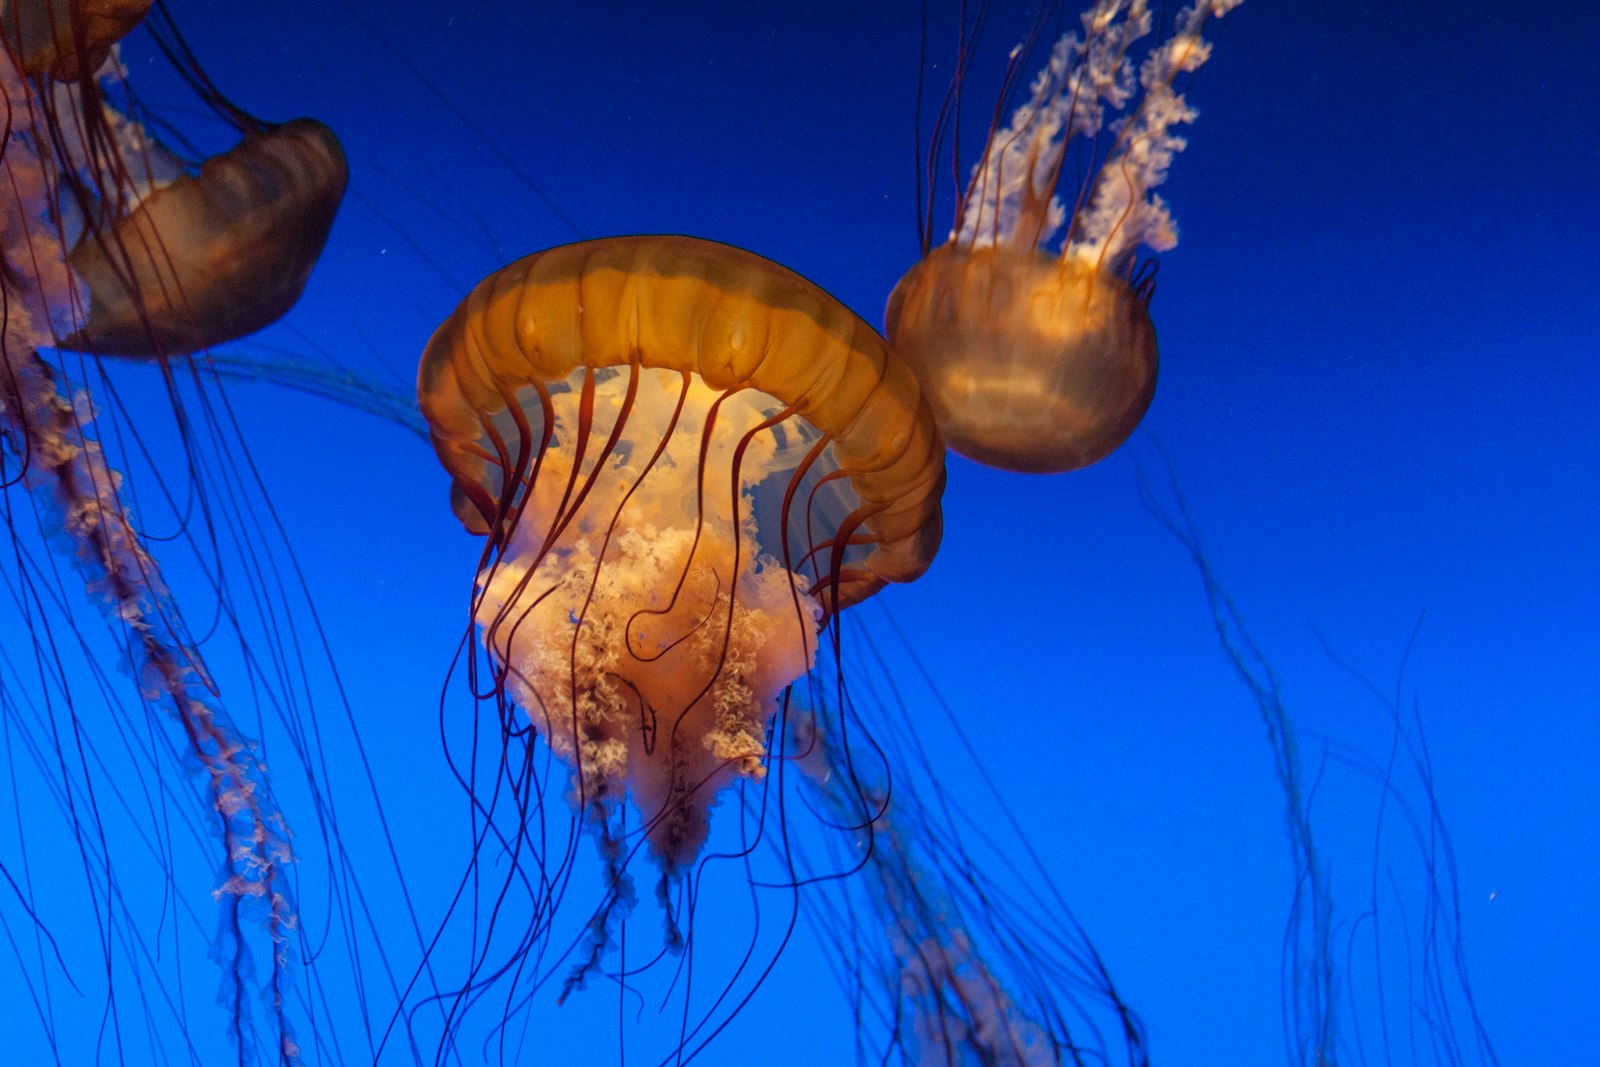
[
  {"x": 113, "y": 248},
  {"x": 685, "y": 459},
  {"x": 67, "y": 41},
  {"x": 1040, "y": 361}
]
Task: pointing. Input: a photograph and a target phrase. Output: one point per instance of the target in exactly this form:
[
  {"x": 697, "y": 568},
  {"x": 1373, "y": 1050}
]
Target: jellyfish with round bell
[
  {"x": 1043, "y": 361},
  {"x": 685, "y": 458}
]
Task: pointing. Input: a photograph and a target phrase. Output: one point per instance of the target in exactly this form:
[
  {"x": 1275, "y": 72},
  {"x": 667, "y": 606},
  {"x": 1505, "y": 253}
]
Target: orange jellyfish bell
[
  {"x": 213, "y": 257},
  {"x": 1032, "y": 362},
  {"x": 1043, "y": 361},
  {"x": 685, "y": 456},
  {"x": 67, "y": 38}
]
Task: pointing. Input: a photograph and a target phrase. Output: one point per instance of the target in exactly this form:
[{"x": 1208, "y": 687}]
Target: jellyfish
[
  {"x": 112, "y": 247},
  {"x": 1039, "y": 361},
  {"x": 685, "y": 460},
  {"x": 67, "y": 41},
  {"x": 173, "y": 262},
  {"x": 211, "y": 258}
]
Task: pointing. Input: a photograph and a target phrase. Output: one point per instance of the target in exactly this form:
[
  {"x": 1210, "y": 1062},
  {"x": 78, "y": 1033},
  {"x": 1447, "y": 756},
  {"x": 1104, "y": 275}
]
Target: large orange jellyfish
[
  {"x": 1040, "y": 361},
  {"x": 112, "y": 246},
  {"x": 685, "y": 458}
]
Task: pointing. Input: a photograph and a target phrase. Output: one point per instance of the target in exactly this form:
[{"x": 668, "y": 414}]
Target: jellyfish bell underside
[
  {"x": 656, "y": 603},
  {"x": 1032, "y": 362},
  {"x": 211, "y": 258},
  {"x": 707, "y": 455}
]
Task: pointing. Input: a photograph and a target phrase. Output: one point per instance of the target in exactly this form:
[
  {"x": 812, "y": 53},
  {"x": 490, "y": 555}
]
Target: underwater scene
[{"x": 911, "y": 532}]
